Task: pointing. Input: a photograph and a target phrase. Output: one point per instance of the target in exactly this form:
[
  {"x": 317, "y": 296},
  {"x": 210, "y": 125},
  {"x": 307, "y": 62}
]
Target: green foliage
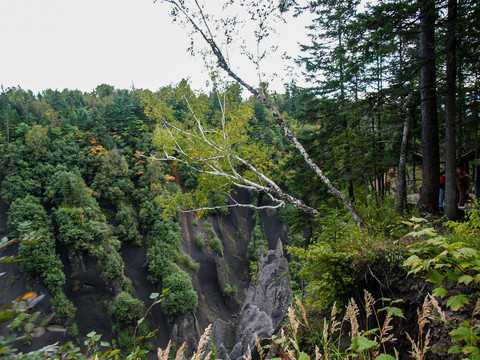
[
  {"x": 257, "y": 241},
  {"x": 370, "y": 337},
  {"x": 112, "y": 267},
  {"x": 41, "y": 260},
  {"x": 200, "y": 240},
  {"x": 18, "y": 186},
  {"x": 188, "y": 263},
  {"x": 66, "y": 187},
  {"x": 37, "y": 140},
  {"x": 127, "y": 228},
  {"x": 63, "y": 308},
  {"x": 450, "y": 266},
  {"x": 216, "y": 245},
  {"x": 229, "y": 290},
  {"x": 467, "y": 231},
  {"x": 160, "y": 259},
  {"x": 28, "y": 209},
  {"x": 328, "y": 263},
  {"x": 193, "y": 129},
  {"x": 180, "y": 298},
  {"x": 444, "y": 264},
  {"x": 330, "y": 273},
  {"x": 126, "y": 309},
  {"x": 214, "y": 242},
  {"x": 23, "y": 325}
]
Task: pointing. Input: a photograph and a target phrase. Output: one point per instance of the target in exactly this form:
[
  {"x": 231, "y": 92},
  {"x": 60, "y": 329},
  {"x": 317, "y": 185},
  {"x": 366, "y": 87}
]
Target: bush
[
  {"x": 181, "y": 298},
  {"x": 209, "y": 232},
  {"x": 159, "y": 260},
  {"x": 127, "y": 309},
  {"x": 28, "y": 209},
  {"x": 257, "y": 241},
  {"x": 216, "y": 245},
  {"x": 200, "y": 241},
  {"x": 229, "y": 290},
  {"x": 127, "y": 228},
  {"x": 188, "y": 263},
  {"x": 42, "y": 261},
  {"x": 62, "y": 307},
  {"x": 113, "y": 269}
]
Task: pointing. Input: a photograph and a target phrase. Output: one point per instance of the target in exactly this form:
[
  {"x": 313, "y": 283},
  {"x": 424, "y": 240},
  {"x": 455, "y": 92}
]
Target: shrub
[
  {"x": 127, "y": 228},
  {"x": 159, "y": 260},
  {"x": 113, "y": 269},
  {"x": 188, "y": 263},
  {"x": 229, "y": 290},
  {"x": 216, "y": 245},
  {"x": 42, "y": 261},
  {"x": 127, "y": 309},
  {"x": 257, "y": 241},
  {"x": 63, "y": 308},
  {"x": 200, "y": 241},
  {"x": 29, "y": 209},
  {"x": 209, "y": 232},
  {"x": 329, "y": 272},
  {"x": 181, "y": 298}
]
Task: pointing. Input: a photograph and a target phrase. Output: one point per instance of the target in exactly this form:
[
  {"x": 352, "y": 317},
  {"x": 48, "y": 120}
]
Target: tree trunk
[
  {"x": 430, "y": 147},
  {"x": 401, "y": 186},
  {"x": 451, "y": 201}
]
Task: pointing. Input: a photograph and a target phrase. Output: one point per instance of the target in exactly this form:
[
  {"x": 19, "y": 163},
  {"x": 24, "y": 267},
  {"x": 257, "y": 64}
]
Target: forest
[{"x": 133, "y": 220}]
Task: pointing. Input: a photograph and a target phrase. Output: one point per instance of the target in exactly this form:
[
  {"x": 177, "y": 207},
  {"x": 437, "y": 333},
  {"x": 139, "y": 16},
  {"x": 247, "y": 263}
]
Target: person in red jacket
[{"x": 441, "y": 196}]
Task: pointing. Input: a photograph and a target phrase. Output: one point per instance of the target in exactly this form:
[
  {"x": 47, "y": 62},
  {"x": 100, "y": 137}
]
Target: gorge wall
[{"x": 261, "y": 304}]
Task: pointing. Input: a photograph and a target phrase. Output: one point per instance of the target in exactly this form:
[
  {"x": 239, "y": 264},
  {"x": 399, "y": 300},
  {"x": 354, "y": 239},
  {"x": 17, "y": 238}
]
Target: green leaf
[
  {"x": 468, "y": 252},
  {"x": 37, "y": 332},
  {"x": 465, "y": 279},
  {"x": 456, "y": 349},
  {"x": 139, "y": 321},
  {"x": 435, "y": 277},
  {"x": 371, "y": 331},
  {"x": 154, "y": 295},
  {"x": 104, "y": 343},
  {"x": 456, "y": 302},
  {"x": 413, "y": 262},
  {"x": 393, "y": 310},
  {"x": 363, "y": 344},
  {"x": 385, "y": 357},
  {"x": 6, "y": 316},
  {"x": 439, "y": 291},
  {"x": 303, "y": 356},
  {"x": 470, "y": 349},
  {"x": 460, "y": 333},
  {"x": 451, "y": 275}
]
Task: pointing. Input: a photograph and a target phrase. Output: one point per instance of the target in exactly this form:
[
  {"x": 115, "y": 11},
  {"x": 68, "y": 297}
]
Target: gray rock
[{"x": 265, "y": 305}]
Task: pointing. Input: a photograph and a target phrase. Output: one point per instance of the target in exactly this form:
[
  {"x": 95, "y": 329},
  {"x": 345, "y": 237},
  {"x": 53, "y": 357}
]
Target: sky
[{"x": 80, "y": 44}]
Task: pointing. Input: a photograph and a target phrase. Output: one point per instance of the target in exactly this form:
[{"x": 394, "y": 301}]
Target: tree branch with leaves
[{"x": 193, "y": 15}]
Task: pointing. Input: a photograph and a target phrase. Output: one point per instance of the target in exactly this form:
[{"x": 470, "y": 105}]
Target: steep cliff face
[
  {"x": 266, "y": 302},
  {"x": 256, "y": 307},
  {"x": 261, "y": 304}
]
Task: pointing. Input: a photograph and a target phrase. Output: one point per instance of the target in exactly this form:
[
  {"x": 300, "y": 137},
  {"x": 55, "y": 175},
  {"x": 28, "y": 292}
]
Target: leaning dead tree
[{"x": 199, "y": 22}]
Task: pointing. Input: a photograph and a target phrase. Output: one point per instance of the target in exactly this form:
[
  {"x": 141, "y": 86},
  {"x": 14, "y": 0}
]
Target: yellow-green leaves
[
  {"x": 442, "y": 262},
  {"x": 211, "y": 136}
]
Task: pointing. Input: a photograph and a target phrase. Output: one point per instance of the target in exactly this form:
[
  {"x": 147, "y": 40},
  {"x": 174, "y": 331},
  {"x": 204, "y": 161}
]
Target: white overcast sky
[{"x": 79, "y": 44}]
